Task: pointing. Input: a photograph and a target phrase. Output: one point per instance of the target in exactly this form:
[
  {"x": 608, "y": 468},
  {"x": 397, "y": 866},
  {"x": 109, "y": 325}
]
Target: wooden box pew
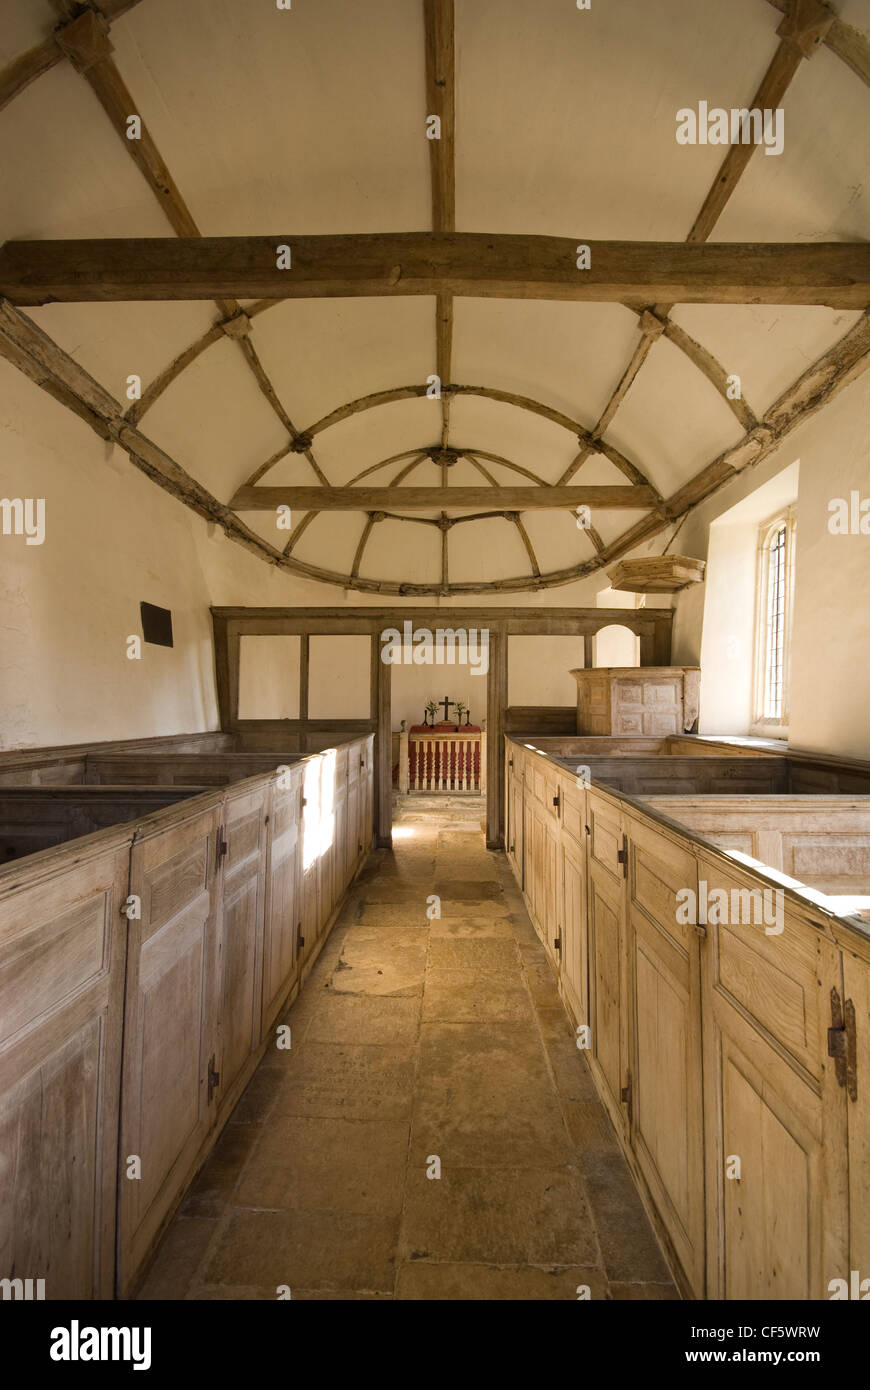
[
  {"x": 640, "y": 745},
  {"x": 745, "y": 1121},
  {"x": 34, "y": 818},
  {"x": 184, "y": 769},
  {"x": 238, "y": 894},
  {"x": 673, "y": 774},
  {"x": 142, "y": 972},
  {"x": 821, "y": 841},
  {"x": 62, "y": 961},
  {"x": 65, "y": 765},
  {"x": 815, "y": 774}
]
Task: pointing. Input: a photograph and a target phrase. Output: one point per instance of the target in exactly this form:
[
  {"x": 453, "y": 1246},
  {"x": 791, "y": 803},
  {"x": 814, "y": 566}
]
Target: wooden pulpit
[{"x": 650, "y": 700}]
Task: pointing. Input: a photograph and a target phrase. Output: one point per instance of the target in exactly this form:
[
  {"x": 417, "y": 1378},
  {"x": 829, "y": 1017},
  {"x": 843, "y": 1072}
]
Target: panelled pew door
[
  {"x": 173, "y": 991},
  {"x": 283, "y": 897},
  {"x": 243, "y": 850},
  {"x": 540, "y": 843},
  {"x": 61, "y": 1009},
  {"x": 780, "y": 1231},
  {"x": 606, "y": 945},
  {"x": 665, "y": 1110},
  {"x": 573, "y": 961},
  {"x": 856, "y": 1090}
]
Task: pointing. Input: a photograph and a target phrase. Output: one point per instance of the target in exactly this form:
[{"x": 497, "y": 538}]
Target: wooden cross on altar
[{"x": 446, "y": 703}]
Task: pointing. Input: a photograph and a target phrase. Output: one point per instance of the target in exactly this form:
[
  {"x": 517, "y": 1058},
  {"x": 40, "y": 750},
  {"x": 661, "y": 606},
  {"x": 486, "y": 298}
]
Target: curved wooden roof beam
[
  {"x": 530, "y": 549},
  {"x": 806, "y": 22},
  {"x": 416, "y": 459},
  {"x": 590, "y": 530},
  {"x": 363, "y": 540},
  {"x": 43, "y": 56},
  {"x": 850, "y": 45},
  {"x": 84, "y": 38},
  {"x": 696, "y": 352},
  {"x": 35, "y": 354},
  {"x": 588, "y": 438},
  {"x": 299, "y": 531},
  {"x": 713, "y": 371}
]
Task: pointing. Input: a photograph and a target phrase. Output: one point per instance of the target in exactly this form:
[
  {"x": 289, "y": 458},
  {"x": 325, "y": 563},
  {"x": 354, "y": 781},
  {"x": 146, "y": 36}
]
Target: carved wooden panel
[
  {"x": 772, "y": 1103},
  {"x": 664, "y": 988},
  {"x": 173, "y": 988},
  {"x": 653, "y": 701},
  {"x": 606, "y": 932},
  {"x": 282, "y": 897},
  {"x": 574, "y": 956},
  {"x": 62, "y": 944},
  {"x": 242, "y": 911}
]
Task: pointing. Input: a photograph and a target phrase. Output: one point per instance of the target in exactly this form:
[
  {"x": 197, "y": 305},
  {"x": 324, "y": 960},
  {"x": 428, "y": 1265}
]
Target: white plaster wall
[
  {"x": 729, "y": 628},
  {"x": 68, "y": 605},
  {"x": 539, "y": 670},
  {"x": 412, "y": 686},
  {"x": 829, "y": 707},
  {"x": 269, "y": 677},
  {"x": 339, "y": 677}
]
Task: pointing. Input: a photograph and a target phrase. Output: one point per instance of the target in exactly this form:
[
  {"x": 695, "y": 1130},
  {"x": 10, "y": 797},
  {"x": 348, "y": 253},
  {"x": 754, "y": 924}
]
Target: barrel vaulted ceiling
[{"x": 557, "y": 122}]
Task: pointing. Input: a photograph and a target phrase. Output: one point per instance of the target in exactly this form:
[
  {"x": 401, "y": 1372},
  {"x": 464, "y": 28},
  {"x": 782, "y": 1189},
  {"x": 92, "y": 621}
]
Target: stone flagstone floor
[{"x": 413, "y": 1040}]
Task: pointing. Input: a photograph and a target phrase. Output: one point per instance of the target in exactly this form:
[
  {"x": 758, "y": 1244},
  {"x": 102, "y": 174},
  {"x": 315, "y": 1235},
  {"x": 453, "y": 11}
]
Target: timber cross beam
[
  {"x": 324, "y": 499},
  {"x": 836, "y": 274}
]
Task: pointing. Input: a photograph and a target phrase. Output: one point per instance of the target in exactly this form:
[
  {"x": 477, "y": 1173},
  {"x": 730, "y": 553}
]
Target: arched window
[{"x": 773, "y": 623}]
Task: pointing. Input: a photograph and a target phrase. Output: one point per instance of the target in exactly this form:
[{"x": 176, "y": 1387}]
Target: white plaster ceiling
[{"x": 311, "y": 120}]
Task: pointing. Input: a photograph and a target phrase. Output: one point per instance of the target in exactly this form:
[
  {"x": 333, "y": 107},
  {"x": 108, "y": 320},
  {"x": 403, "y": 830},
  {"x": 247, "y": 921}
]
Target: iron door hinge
[
  {"x": 557, "y": 800},
  {"x": 300, "y": 939},
  {"x": 510, "y": 762},
  {"x": 622, "y": 856},
  {"x": 843, "y": 1044},
  {"x": 625, "y": 1096},
  {"x": 214, "y": 1078},
  {"x": 221, "y": 844},
  {"x": 557, "y": 945}
]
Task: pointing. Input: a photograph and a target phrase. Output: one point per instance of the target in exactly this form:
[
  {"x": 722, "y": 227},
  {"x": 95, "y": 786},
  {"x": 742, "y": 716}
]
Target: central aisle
[{"x": 416, "y": 1040}]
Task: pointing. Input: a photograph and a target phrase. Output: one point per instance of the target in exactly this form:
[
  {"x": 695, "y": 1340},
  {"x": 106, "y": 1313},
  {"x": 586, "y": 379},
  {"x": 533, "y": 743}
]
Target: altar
[{"x": 444, "y": 756}]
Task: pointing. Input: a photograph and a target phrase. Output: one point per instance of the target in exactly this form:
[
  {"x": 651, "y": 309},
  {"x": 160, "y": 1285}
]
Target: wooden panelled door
[
  {"x": 572, "y": 901},
  {"x": 666, "y": 1112},
  {"x": 282, "y": 894},
  {"x": 605, "y": 867},
  {"x": 173, "y": 988},
  {"x": 777, "y": 1223},
  {"x": 61, "y": 1010},
  {"x": 853, "y": 1076},
  {"x": 242, "y": 906},
  {"x": 540, "y": 841}
]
